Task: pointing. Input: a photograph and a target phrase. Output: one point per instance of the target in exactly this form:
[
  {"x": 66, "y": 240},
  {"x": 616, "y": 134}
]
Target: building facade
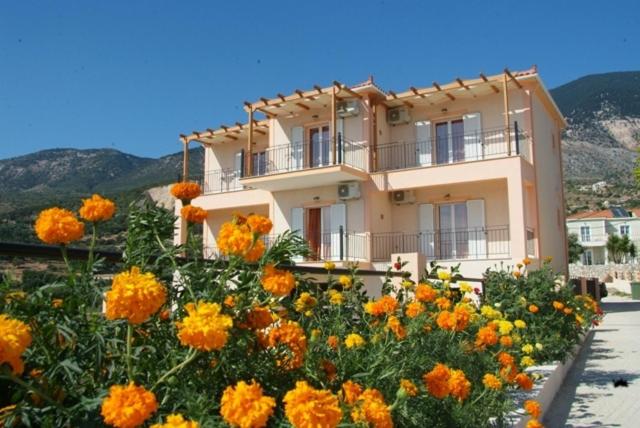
[
  {"x": 467, "y": 172},
  {"x": 593, "y": 229}
]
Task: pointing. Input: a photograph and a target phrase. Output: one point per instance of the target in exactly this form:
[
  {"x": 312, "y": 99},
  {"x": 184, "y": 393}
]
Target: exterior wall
[{"x": 600, "y": 230}]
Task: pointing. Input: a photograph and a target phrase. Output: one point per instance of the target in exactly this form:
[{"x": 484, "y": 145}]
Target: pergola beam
[
  {"x": 348, "y": 90},
  {"x": 512, "y": 77},
  {"x": 494, "y": 87}
]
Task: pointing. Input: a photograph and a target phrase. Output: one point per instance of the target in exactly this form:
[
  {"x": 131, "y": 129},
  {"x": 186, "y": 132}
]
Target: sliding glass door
[{"x": 453, "y": 235}]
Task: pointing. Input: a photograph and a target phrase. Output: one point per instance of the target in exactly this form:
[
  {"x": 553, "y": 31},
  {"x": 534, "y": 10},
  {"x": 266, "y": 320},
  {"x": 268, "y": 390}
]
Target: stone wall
[{"x": 607, "y": 273}]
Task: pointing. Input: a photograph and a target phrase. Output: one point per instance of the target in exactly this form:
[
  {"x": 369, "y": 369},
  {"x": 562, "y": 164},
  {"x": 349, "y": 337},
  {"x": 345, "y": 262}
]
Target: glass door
[
  {"x": 319, "y": 145},
  {"x": 450, "y": 141},
  {"x": 442, "y": 142},
  {"x": 453, "y": 233}
]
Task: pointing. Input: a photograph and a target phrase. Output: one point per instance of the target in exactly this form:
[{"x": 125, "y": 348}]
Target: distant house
[
  {"x": 465, "y": 172},
  {"x": 593, "y": 229}
]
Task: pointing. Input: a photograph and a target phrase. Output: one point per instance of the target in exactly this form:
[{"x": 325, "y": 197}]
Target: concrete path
[{"x": 588, "y": 397}]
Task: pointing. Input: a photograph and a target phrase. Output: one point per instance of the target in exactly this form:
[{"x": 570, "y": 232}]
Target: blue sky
[{"x": 133, "y": 75}]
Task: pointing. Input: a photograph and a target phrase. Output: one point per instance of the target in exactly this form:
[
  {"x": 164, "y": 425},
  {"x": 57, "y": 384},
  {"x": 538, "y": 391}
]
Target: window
[
  {"x": 450, "y": 141},
  {"x": 319, "y": 141},
  {"x": 585, "y": 234},
  {"x": 587, "y": 257},
  {"x": 454, "y": 235},
  {"x": 624, "y": 229},
  {"x": 259, "y": 163}
]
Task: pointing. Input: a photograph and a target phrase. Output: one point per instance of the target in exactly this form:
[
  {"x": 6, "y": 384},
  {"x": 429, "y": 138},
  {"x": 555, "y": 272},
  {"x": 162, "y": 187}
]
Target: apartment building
[
  {"x": 593, "y": 229},
  {"x": 465, "y": 172}
]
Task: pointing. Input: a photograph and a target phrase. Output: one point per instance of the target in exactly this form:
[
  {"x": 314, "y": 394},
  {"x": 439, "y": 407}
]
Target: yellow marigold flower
[
  {"x": 259, "y": 317},
  {"x": 459, "y": 386},
  {"x": 425, "y": 293},
  {"x": 277, "y": 282},
  {"x": 520, "y": 324},
  {"x": 410, "y": 388},
  {"x": 372, "y": 410},
  {"x": 527, "y": 361},
  {"x": 335, "y": 297},
  {"x": 354, "y": 340},
  {"x": 548, "y": 259},
  {"x": 128, "y": 406},
  {"x": 558, "y": 305},
  {"x": 345, "y": 281},
  {"x": 486, "y": 336},
  {"x": 437, "y": 381},
  {"x": 204, "y": 328},
  {"x": 306, "y": 407},
  {"x": 193, "y": 214},
  {"x": 517, "y": 274},
  {"x": 97, "y": 208},
  {"x": 305, "y": 302},
  {"x": 186, "y": 191},
  {"x": 505, "y": 327},
  {"x": 384, "y": 305},
  {"x": 134, "y": 296},
  {"x": 176, "y": 421},
  {"x": 489, "y": 312},
  {"x": 579, "y": 319},
  {"x": 291, "y": 335},
  {"x": 534, "y": 423},
  {"x": 491, "y": 381},
  {"x": 528, "y": 348},
  {"x": 444, "y": 275},
  {"x": 533, "y": 408},
  {"x": 259, "y": 224},
  {"x": 414, "y": 309},
  {"x": 539, "y": 346},
  {"x": 15, "y": 337},
  {"x": 58, "y": 226},
  {"x": 406, "y": 283},
  {"x": 350, "y": 392},
  {"x": 328, "y": 265},
  {"x": 244, "y": 405},
  {"x": 394, "y": 324},
  {"x": 533, "y": 309},
  {"x": 333, "y": 342},
  {"x": 524, "y": 381}
]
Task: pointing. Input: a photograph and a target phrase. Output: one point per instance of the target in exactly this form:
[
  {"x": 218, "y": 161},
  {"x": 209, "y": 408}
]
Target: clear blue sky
[{"x": 132, "y": 75}]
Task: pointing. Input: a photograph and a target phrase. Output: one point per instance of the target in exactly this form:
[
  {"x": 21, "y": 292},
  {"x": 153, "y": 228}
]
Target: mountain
[{"x": 603, "y": 133}]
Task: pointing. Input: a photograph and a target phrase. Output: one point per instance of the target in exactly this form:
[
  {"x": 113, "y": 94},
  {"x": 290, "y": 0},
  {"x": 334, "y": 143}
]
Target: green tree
[
  {"x": 575, "y": 249},
  {"x": 620, "y": 248},
  {"x": 636, "y": 170}
]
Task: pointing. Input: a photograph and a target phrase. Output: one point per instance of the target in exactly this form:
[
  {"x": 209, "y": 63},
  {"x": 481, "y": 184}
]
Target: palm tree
[{"x": 620, "y": 248}]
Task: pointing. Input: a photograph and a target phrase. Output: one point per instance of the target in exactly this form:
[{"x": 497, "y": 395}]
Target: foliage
[
  {"x": 424, "y": 336},
  {"x": 575, "y": 249},
  {"x": 620, "y": 248}
]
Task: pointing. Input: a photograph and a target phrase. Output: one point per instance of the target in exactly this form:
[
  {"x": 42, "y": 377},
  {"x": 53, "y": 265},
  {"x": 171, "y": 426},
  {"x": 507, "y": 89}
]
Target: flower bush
[{"x": 246, "y": 341}]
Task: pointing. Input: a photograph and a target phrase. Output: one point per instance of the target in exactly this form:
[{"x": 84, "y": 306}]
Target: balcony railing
[
  {"x": 305, "y": 155},
  {"x": 444, "y": 244},
  {"x": 221, "y": 181},
  {"x": 487, "y": 144}
]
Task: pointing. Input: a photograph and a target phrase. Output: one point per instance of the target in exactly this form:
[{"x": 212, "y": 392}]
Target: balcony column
[
  {"x": 248, "y": 158},
  {"x": 180, "y": 226},
  {"x": 334, "y": 124},
  {"x": 517, "y": 226},
  {"x": 185, "y": 159},
  {"x": 507, "y": 120}
]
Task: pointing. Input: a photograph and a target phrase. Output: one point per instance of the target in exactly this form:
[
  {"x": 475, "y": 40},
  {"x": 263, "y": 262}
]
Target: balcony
[
  {"x": 221, "y": 181},
  {"x": 453, "y": 149},
  {"x": 304, "y": 164}
]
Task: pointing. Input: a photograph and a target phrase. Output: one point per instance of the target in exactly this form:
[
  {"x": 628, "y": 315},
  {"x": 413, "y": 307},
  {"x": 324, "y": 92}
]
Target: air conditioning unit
[
  {"x": 348, "y": 108},
  {"x": 398, "y": 116},
  {"x": 400, "y": 197},
  {"x": 349, "y": 190}
]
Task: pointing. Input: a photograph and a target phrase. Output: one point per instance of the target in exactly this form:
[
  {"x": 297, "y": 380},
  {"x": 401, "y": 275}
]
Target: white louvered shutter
[
  {"x": 297, "y": 224},
  {"x": 472, "y": 136},
  {"x": 297, "y": 147},
  {"x": 476, "y": 227},
  {"x": 338, "y": 218},
  {"x": 427, "y": 234},
  {"x": 423, "y": 142}
]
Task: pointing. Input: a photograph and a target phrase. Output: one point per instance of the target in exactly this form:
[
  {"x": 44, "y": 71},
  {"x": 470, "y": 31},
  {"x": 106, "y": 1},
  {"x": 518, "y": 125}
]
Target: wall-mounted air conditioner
[
  {"x": 400, "y": 197},
  {"x": 349, "y": 190},
  {"x": 348, "y": 108},
  {"x": 398, "y": 116}
]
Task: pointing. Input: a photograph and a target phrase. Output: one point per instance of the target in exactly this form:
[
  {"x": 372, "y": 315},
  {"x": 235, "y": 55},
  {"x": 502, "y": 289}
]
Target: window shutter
[
  {"x": 338, "y": 218},
  {"x": 472, "y": 136},
  {"x": 297, "y": 147},
  {"x": 340, "y": 137},
  {"x": 476, "y": 225},
  {"x": 423, "y": 142},
  {"x": 297, "y": 225},
  {"x": 237, "y": 172},
  {"x": 427, "y": 234}
]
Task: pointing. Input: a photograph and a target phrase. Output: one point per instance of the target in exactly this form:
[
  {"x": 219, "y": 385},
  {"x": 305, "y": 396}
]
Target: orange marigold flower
[
  {"x": 486, "y": 336},
  {"x": 372, "y": 409},
  {"x": 128, "y": 406},
  {"x": 333, "y": 342},
  {"x": 517, "y": 274},
  {"x": 134, "y": 296},
  {"x": 558, "y": 305},
  {"x": 443, "y": 303},
  {"x": 177, "y": 421},
  {"x": 164, "y": 315},
  {"x": 97, "y": 208},
  {"x": 506, "y": 341},
  {"x": 524, "y": 381},
  {"x": 384, "y": 305},
  {"x": 567, "y": 311},
  {"x": 277, "y": 282},
  {"x": 425, "y": 293},
  {"x": 259, "y": 224},
  {"x": 534, "y": 423},
  {"x": 394, "y": 324},
  {"x": 459, "y": 385},
  {"x": 186, "y": 191},
  {"x": 15, "y": 337},
  {"x": 437, "y": 381},
  {"x": 291, "y": 335},
  {"x": 533, "y": 309},
  {"x": 509, "y": 372},
  {"x": 229, "y": 301},
  {"x": 533, "y": 408},
  {"x": 259, "y": 317},
  {"x": 505, "y": 359},
  {"x": 193, "y": 214},
  {"x": 58, "y": 226},
  {"x": 57, "y": 303},
  {"x": 414, "y": 309},
  {"x": 245, "y": 406},
  {"x": 350, "y": 392},
  {"x": 307, "y": 407},
  {"x": 456, "y": 320},
  {"x": 410, "y": 388},
  {"x": 204, "y": 328},
  {"x": 237, "y": 239},
  {"x": 526, "y": 261},
  {"x": 330, "y": 369},
  {"x": 491, "y": 381},
  {"x": 254, "y": 254}
]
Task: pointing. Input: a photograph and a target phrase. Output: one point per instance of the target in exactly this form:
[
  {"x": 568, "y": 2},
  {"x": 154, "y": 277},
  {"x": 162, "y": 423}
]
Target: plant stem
[
  {"x": 65, "y": 256},
  {"x": 92, "y": 246},
  {"x": 10, "y": 376},
  {"x": 190, "y": 356},
  {"x": 129, "y": 363}
]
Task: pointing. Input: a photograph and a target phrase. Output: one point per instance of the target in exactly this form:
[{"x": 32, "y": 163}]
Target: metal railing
[
  {"x": 531, "y": 242},
  {"x": 455, "y": 148},
  {"x": 221, "y": 181},
  {"x": 491, "y": 242}
]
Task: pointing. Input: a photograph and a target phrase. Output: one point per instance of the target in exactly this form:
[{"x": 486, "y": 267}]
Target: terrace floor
[{"x": 588, "y": 397}]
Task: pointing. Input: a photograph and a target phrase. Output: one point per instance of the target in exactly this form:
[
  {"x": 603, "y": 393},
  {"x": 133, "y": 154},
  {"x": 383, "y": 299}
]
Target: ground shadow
[{"x": 613, "y": 307}]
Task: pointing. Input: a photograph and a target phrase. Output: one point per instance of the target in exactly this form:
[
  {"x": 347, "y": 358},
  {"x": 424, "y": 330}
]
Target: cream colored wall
[
  {"x": 222, "y": 156},
  {"x": 552, "y": 233}
]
